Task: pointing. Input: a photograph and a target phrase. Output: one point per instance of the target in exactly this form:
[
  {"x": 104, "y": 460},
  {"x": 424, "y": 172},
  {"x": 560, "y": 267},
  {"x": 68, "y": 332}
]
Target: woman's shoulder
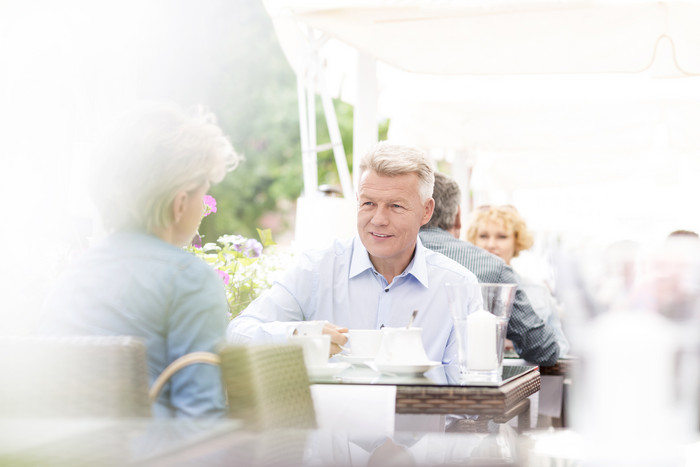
[{"x": 154, "y": 257}]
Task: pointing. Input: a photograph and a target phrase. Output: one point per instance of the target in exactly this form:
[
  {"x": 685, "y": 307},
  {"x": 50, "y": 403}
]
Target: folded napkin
[{"x": 355, "y": 408}]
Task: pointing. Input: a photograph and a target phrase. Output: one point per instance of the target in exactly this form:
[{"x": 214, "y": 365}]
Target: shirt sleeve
[
  {"x": 196, "y": 322},
  {"x": 533, "y": 340},
  {"x": 546, "y": 308},
  {"x": 268, "y": 319}
]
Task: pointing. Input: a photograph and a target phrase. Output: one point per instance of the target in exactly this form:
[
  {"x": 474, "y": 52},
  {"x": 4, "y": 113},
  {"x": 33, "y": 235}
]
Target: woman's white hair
[
  {"x": 392, "y": 159},
  {"x": 148, "y": 156}
]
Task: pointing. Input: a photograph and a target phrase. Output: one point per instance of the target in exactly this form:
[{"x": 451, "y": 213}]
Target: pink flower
[
  {"x": 224, "y": 276},
  {"x": 209, "y": 205}
]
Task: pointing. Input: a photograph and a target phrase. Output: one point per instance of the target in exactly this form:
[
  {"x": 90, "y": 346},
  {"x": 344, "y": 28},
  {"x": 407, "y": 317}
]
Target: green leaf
[{"x": 265, "y": 237}]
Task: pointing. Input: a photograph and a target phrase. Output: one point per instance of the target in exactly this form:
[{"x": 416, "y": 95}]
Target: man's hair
[
  {"x": 390, "y": 159},
  {"x": 446, "y": 194},
  {"x": 149, "y": 155}
]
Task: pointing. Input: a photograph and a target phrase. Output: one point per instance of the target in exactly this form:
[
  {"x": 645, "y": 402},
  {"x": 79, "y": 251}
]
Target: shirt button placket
[{"x": 384, "y": 307}]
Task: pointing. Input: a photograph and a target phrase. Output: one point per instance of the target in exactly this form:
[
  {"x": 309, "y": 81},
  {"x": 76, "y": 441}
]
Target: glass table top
[{"x": 442, "y": 375}]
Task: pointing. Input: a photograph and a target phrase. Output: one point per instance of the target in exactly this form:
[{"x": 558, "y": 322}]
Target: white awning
[{"x": 540, "y": 96}]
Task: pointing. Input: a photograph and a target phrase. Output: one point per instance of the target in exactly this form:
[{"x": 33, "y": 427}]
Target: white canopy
[
  {"x": 505, "y": 37},
  {"x": 566, "y": 108}
]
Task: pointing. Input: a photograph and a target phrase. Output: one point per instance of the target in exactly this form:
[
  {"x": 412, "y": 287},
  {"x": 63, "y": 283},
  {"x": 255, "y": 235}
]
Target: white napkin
[{"x": 354, "y": 408}]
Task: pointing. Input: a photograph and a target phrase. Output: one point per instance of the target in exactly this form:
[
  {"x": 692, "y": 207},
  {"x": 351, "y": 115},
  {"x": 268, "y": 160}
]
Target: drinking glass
[{"x": 481, "y": 330}]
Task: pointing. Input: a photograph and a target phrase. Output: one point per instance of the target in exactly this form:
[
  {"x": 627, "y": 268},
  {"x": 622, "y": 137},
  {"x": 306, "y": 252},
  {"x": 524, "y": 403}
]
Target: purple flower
[
  {"x": 236, "y": 242},
  {"x": 247, "y": 246},
  {"x": 197, "y": 241},
  {"x": 209, "y": 205},
  {"x": 224, "y": 276},
  {"x": 253, "y": 248}
]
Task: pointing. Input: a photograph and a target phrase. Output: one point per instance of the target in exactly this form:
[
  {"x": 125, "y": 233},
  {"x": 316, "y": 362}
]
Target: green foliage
[
  {"x": 254, "y": 97},
  {"x": 327, "y": 170},
  {"x": 229, "y": 59},
  {"x": 246, "y": 266},
  {"x": 265, "y": 237}
]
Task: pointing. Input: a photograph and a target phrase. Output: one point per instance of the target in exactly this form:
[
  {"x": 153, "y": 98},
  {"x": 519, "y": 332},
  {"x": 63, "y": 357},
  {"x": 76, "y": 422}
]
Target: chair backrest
[
  {"x": 268, "y": 386},
  {"x": 186, "y": 360},
  {"x": 76, "y": 377}
]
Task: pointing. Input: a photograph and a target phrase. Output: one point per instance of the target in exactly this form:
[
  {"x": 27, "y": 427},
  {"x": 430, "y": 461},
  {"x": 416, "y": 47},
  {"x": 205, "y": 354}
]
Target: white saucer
[
  {"x": 328, "y": 370},
  {"x": 354, "y": 359},
  {"x": 403, "y": 368}
]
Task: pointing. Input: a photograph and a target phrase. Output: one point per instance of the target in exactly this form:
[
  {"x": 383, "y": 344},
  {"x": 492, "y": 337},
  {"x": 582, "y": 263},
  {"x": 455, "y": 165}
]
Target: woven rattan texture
[
  {"x": 468, "y": 400},
  {"x": 561, "y": 368},
  {"x": 103, "y": 447},
  {"x": 268, "y": 386},
  {"x": 73, "y": 377}
]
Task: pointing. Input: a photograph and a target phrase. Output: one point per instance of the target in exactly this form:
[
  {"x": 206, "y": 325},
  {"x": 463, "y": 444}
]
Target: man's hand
[{"x": 338, "y": 337}]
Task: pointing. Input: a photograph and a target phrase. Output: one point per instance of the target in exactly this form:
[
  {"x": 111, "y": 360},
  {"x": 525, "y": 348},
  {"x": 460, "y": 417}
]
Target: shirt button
[{"x": 386, "y": 290}]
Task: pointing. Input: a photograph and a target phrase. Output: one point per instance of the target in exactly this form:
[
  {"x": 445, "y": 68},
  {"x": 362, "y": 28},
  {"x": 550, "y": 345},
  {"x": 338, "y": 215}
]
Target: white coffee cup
[
  {"x": 364, "y": 342},
  {"x": 401, "y": 345},
  {"x": 316, "y": 348}
]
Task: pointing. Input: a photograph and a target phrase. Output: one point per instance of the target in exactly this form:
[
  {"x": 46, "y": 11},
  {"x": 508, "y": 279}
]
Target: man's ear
[
  {"x": 179, "y": 205},
  {"x": 457, "y": 226},
  {"x": 429, "y": 208}
]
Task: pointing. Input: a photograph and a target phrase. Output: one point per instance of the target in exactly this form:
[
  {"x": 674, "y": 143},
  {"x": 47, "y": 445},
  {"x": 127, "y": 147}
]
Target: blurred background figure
[
  {"x": 150, "y": 175},
  {"x": 683, "y": 233},
  {"x": 637, "y": 304},
  {"x": 672, "y": 281},
  {"x": 501, "y": 230},
  {"x": 536, "y": 342}
]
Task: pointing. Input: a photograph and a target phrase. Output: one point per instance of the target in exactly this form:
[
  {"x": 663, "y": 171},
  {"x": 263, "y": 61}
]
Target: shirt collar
[
  {"x": 360, "y": 259},
  {"x": 436, "y": 231},
  {"x": 417, "y": 267}
]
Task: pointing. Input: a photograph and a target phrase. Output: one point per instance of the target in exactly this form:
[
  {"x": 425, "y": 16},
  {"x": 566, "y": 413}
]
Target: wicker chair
[
  {"x": 268, "y": 386},
  {"x": 73, "y": 377}
]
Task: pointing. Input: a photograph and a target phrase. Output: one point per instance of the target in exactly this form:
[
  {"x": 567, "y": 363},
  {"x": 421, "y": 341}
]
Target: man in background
[{"x": 535, "y": 341}]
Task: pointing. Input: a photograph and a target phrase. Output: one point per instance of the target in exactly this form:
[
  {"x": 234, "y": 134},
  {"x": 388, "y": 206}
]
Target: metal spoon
[{"x": 413, "y": 316}]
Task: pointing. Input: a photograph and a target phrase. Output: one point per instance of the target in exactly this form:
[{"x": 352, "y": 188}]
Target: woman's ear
[{"x": 179, "y": 206}]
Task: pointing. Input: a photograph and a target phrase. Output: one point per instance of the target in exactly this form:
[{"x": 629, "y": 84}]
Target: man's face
[{"x": 389, "y": 215}]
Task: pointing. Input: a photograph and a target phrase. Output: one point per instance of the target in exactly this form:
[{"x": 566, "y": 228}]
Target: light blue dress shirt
[{"x": 340, "y": 285}]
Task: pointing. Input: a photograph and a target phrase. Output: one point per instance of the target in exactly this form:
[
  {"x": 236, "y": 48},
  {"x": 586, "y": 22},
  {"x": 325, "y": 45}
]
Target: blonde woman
[
  {"x": 151, "y": 173},
  {"x": 501, "y": 230}
]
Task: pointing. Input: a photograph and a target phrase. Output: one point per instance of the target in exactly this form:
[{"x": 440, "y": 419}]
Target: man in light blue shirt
[{"x": 377, "y": 278}]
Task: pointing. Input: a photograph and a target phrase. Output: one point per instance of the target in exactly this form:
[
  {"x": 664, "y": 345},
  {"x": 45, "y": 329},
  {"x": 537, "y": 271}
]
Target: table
[
  {"x": 169, "y": 443},
  {"x": 438, "y": 392},
  {"x": 556, "y": 383},
  {"x": 151, "y": 443}
]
